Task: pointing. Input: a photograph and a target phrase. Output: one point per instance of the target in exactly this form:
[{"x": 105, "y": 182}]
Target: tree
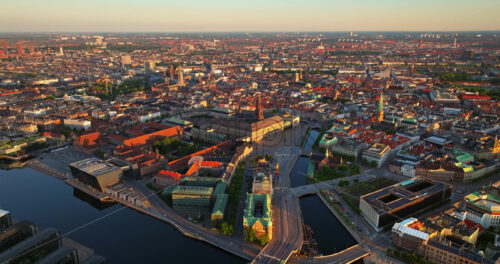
[
  {"x": 250, "y": 235},
  {"x": 263, "y": 240},
  {"x": 227, "y": 229},
  {"x": 343, "y": 183}
]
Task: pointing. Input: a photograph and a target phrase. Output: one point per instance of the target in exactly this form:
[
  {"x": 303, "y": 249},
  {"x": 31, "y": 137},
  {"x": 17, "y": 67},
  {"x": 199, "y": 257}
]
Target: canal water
[
  {"x": 300, "y": 169},
  {"x": 329, "y": 233},
  {"x": 120, "y": 234}
]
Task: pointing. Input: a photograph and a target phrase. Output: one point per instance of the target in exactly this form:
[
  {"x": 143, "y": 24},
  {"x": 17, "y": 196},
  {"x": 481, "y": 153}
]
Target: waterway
[
  {"x": 329, "y": 233},
  {"x": 116, "y": 232},
  {"x": 299, "y": 171}
]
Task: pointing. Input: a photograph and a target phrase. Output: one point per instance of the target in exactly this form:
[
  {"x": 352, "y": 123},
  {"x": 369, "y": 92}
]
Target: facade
[
  {"x": 377, "y": 152},
  {"x": 406, "y": 235},
  {"x": 441, "y": 253},
  {"x": 348, "y": 147},
  {"x": 443, "y": 238},
  {"x": 15, "y": 234},
  {"x": 258, "y": 215},
  {"x": 5, "y": 219},
  {"x": 266, "y": 126},
  {"x": 385, "y": 206},
  {"x": 97, "y": 173},
  {"x": 80, "y": 124},
  {"x": 191, "y": 198}
]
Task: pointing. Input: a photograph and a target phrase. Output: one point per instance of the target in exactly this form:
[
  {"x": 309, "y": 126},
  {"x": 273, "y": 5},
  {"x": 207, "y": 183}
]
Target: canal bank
[
  {"x": 302, "y": 166},
  {"x": 328, "y": 232},
  {"x": 121, "y": 234}
]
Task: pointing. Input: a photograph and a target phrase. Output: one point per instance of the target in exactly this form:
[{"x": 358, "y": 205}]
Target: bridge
[
  {"x": 306, "y": 153},
  {"x": 349, "y": 255}
]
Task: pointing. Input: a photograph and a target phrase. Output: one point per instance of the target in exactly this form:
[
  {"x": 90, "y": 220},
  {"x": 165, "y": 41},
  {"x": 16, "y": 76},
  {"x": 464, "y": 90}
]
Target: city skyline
[{"x": 257, "y": 16}]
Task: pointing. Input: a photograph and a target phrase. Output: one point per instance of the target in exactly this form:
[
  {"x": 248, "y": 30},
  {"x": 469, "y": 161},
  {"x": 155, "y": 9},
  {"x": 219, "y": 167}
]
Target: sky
[{"x": 247, "y": 16}]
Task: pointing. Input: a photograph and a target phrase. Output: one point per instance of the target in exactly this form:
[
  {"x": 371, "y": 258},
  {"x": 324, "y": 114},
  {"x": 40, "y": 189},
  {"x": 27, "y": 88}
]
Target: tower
[
  {"x": 259, "y": 111},
  {"x": 171, "y": 71},
  {"x": 180, "y": 76},
  {"x": 380, "y": 108},
  {"x": 297, "y": 77},
  {"x": 61, "y": 51},
  {"x": 420, "y": 43},
  {"x": 20, "y": 48},
  {"x": 31, "y": 49},
  {"x": 496, "y": 146},
  {"x": 4, "y": 46},
  {"x": 455, "y": 43}
]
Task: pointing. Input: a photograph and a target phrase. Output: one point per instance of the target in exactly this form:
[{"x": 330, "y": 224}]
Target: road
[{"x": 287, "y": 216}]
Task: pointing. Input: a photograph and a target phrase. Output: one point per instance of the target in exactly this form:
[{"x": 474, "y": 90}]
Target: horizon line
[{"x": 257, "y": 31}]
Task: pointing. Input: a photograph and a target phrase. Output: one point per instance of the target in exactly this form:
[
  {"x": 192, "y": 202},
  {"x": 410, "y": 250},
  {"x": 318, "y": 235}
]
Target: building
[
  {"x": 150, "y": 138},
  {"x": 267, "y": 126},
  {"x": 33, "y": 248},
  {"x": 16, "y": 233},
  {"x": 408, "y": 235},
  {"x": 96, "y": 173},
  {"x": 258, "y": 215},
  {"x": 380, "y": 108},
  {"x": 377, "y": 153},
  {"x": 81, "y": 124},
  {"x": 219, "y": 208},
  {"x": 20, "y": 48},
  {"x": 262, "y": 178},
  {"x": 87, "y": 143},
  {"x": 442, "y": 238},
  {"x": 23, "y": 242},
  {"x": 5, "y": 220},
  {"x": 191, "y": 198},
  {"x": 126, "y": 60},
  {"x": 348, "y": 147},
  {"x": 259, "y": 111},
  {"x": 4, "y": 47},
  {"x": 385, "y": 206},
  {"x": 180, "y": 76},
  {"x": 444, "y": 253},
  {"x": 483, "y": 207}
]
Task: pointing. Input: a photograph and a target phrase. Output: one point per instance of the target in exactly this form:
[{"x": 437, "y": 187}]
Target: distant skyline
[{"x": 256, "y": 15}]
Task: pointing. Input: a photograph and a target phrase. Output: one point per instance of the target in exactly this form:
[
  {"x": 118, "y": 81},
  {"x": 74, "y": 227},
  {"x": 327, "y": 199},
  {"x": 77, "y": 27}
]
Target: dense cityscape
[{"x": 335, "y": 147}]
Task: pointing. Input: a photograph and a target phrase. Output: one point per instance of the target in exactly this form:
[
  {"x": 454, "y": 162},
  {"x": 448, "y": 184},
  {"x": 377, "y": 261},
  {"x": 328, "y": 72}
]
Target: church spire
[{"x": 380, "y": 108}]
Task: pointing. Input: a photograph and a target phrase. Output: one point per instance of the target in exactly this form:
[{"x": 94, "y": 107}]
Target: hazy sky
[{"x": 252, "y": 15}]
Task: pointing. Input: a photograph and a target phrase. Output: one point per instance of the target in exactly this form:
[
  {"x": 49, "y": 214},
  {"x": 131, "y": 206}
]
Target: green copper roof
[
  {"x": 220, "y": 204},
  {"x": 248, "y": 216}
]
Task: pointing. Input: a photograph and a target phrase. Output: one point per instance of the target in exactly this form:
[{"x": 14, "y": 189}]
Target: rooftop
[{"x": 94, "y": 166}]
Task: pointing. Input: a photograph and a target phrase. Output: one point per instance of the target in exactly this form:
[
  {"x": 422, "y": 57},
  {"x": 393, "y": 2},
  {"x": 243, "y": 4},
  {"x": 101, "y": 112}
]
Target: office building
[
  {"x": 34, "y": 248},
  {"x": 5, "y": 220},
  {"x": 385, "y": 206},
  {"x": 377, "y": 153},
  {"x": 15, "y": 234},
  {"x": 96, "y": 173}
]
